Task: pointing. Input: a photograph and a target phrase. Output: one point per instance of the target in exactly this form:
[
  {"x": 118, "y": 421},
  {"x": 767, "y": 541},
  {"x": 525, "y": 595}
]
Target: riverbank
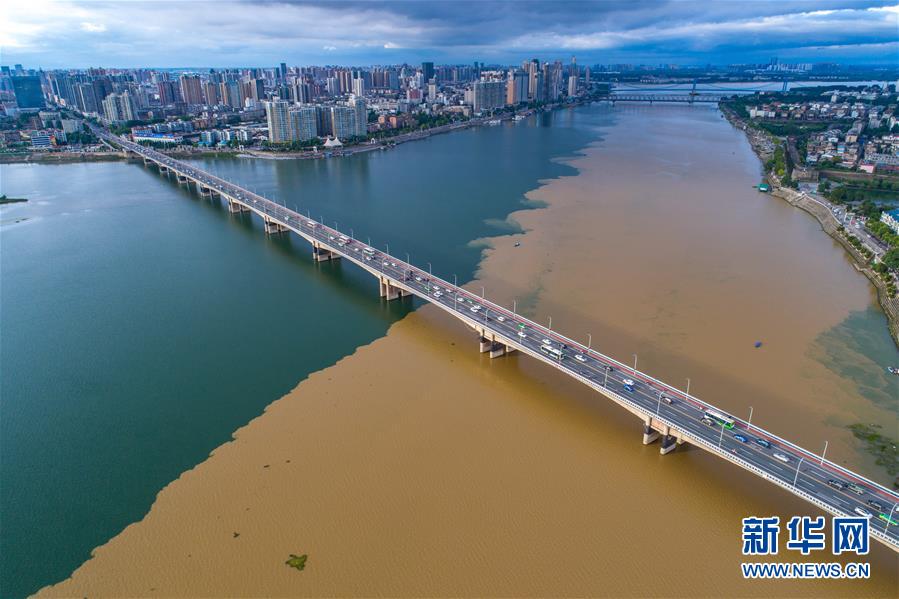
[
  {"x": 763, "y": 143},
  {"x": 419, "y": 467},
  {"x": 61, "y": 157}
]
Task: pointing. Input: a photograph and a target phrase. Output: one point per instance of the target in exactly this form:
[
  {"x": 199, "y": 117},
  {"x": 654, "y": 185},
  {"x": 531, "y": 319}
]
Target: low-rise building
[{"x": 891, "y": 219}]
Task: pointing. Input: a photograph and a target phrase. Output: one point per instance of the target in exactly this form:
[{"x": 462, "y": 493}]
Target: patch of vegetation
[
  {"x": 297, "y": 561},
  {"x": 882, "y": 447}
]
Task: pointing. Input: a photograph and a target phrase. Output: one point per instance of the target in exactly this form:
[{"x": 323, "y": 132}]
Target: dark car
[
  {"x": 836, "y": 484},
  {"x": 763, "y": 442}
]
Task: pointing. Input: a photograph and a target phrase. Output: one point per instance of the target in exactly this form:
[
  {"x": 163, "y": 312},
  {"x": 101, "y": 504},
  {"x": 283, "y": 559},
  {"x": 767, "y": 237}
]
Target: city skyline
[{"x": 70, "y": 34}]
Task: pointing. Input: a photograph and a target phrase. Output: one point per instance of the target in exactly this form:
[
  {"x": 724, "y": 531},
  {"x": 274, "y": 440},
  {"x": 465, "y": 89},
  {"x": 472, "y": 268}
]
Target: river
[{"x": 142, "y": 326}]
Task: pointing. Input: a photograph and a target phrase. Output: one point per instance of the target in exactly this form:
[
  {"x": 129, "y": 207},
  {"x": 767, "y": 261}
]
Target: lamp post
[
  {"x": 749, "y": 424},
  {"x": 388, "y": 248},
  {"x": 605, "y": 382},
  {"x": 429, "y": 277},
  {"x": 515, "y": 307},
  {"x": 635, "y": 364},
  {"x": 796, "y": 478},
  {"x": 659, "y": 407},
  {"x": 823, "y": 453},
  {"x": 589, "y": 341},
  {"x": 688, "y": 389},
  {"x": 721, "y": 438}
]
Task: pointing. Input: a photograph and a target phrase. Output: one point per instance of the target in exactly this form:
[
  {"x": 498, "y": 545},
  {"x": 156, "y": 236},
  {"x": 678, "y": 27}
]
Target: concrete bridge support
[
  {"x": 669, "y": 441},
  {"x": 391, "y": 291},
  {"x": 273, "y": 227},
  {"x": 163, "y": 169},
  {"x": 182, "y": 179},
  {"x": 236, "y": 207},
  {"x": 204, "y": 191},
  {"x": 649, "y": 433},
  {"x": 320, "y": 254},
  {"x": 493, "y": 347}
]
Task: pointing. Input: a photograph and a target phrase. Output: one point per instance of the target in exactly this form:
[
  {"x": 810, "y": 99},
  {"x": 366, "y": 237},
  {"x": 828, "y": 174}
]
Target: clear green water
[{"x": 142, "y": 325}]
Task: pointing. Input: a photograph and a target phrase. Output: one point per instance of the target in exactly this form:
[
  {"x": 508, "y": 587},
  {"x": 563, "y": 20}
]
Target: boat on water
[
  {"x": 892, "y": 370},
  {"x": 518, "y": 117},
  {"x": 494, "y": 122}
]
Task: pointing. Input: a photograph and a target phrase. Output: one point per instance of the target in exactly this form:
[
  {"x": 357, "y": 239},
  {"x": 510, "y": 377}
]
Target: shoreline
[
  {"x": 388, "y": 143},
  {"x": 828, "y": 222}
]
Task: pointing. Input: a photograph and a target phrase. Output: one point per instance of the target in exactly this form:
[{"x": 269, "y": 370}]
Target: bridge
[
  {"x": 651, "y": 98},
  {"x": 669, "y": 415}
]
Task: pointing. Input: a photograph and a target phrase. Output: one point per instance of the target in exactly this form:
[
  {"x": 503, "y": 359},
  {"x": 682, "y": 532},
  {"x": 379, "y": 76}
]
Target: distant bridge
[
  {"x": 652, "y": 98},
  {"x": 667, "y": 413}
]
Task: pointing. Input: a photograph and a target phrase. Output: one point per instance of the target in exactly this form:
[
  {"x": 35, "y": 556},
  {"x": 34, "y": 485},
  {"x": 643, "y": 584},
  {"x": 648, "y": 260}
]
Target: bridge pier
[
  {"x": 163, "y": 169},
  {"x": 669, "y": 441},
  {"x": 390, "y": 291},
  {"x": 182, "y": 180},
  {"x": 204, "y": 191},
  {"x": 320, "y": 254},
  {"x": 236, "y": 207},
  {"x": 493, "y": 347},
  {"x": 273, "y": 228},
  {"x": 649, "y": 433}
]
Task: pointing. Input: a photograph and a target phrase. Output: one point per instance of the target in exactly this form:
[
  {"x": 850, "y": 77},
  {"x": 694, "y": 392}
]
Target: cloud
[
  {"x": 93, "y": 27},
  {"x": 243, "y": 33}
]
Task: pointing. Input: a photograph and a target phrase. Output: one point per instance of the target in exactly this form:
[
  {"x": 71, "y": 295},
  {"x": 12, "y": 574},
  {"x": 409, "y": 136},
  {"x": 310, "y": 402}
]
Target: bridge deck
[{"x": 782, "y": 463}]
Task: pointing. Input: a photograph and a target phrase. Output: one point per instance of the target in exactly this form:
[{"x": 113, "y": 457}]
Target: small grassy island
[
  {"x": 6, "y": 200},
  {"x": 297, "y": 561},
  {"x": 880, "y": 446}
]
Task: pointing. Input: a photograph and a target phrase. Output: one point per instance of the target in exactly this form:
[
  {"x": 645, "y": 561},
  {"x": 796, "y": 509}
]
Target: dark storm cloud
[{"x": 77, "y": 33}]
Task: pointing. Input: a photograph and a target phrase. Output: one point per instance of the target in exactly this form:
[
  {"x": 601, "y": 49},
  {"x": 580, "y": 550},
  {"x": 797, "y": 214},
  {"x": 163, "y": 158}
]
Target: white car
[
  {"x": 580, "y": 358},
  {"x": 547, "y": 341},
  {"x": 475, "y": 308},
  {"x": 385, "y": 264},
  {"x": 782, "y": 457},
  {"x": 863, "y": 512},
  {"x": 418, "y": 279},
  {"x": 393, "y": 264},
  {"x": 501, "y": 318},
  {"x": 522, "y": 334},
  {"x": 628, "y": 382}
]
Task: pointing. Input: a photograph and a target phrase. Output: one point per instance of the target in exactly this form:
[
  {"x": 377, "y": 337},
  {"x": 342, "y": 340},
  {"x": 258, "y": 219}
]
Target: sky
[{"x": 168, "y": 33}]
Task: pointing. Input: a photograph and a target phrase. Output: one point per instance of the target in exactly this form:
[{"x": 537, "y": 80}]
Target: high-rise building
[
  {"x": 487, "y": 95},
  {"x": 278, "y": 117},
  {"x": 533, "y": 69},
  {"x": 211, "y": 93},
  {"x": 343, "y": 121},
  {"x": 432, "y": 90},
  {"x": 169, "y": 92},
  {"x": 427, "y": 71},
  {"x": 358, "y": 86},
  {"x": 516, "y": 87},
  {"x": 232, "y": 94},
  {"x": 85, "y": 99},
  {"x": 28, "y": 92},
  {"x": 282, "y": 70},
  {"x": 191, "y": 89},
  {"x": 572, "y": 85},
  {"x": 360, "y": 110},
  {"x": 304, "y": 122},
  {"x": 587, "y": 78},
  {"x": 118, "y": 107}
]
